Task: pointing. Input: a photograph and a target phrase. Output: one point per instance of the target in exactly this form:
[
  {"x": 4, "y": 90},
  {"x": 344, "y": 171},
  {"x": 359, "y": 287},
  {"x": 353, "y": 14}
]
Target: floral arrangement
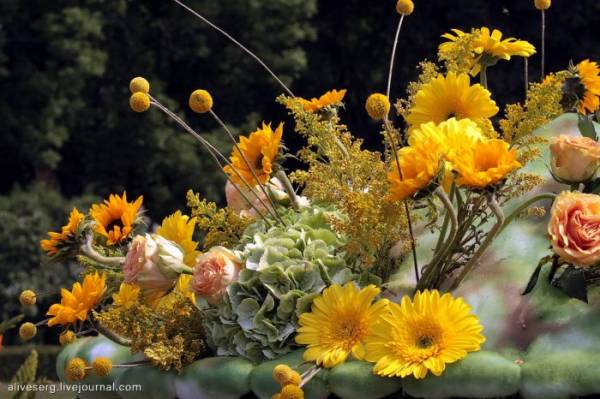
[{"x": 308, "y": 260}]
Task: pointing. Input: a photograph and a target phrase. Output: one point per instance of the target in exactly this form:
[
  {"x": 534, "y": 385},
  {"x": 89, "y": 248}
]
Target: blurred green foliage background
[{"x": 69, "y": 138}]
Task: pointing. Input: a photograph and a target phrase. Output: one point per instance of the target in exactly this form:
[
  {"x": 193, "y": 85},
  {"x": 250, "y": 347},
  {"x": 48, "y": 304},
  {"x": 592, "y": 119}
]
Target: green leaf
[
  {"x": 572, "y": 283},
  {"x": 586, "y": 128}
]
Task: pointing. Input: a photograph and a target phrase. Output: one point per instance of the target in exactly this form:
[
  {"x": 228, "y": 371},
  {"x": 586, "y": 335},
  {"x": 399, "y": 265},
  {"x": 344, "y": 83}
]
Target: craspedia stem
[{"x": 393, "y": 58}]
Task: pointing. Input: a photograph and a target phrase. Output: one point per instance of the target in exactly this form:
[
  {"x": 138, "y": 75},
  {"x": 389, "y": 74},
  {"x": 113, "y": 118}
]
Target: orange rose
[
  {"x": 574, "y": 159},
  {"x": 213, "y": 272},
  {"x": 575, "y": 228}
]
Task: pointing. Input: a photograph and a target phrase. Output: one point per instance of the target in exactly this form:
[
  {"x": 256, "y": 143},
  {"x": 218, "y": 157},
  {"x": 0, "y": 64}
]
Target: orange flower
[
  {"x": 52, "y": 245},
  {"x": 332, "y": 97},
  {"x": 77, "y": 303},
  {"x": 574, "y": 159},
  {"x": 213, "y": 272},
  {"x": 574, "y": 228},
  {"x": 115, "y": 217}
]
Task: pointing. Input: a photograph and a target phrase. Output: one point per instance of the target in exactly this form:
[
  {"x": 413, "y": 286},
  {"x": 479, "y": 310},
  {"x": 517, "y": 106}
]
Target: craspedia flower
[
  {"x": 27, "y": 331},
  {"x": 27, "y": 298},
  {"x": 422, "y": 335},
  {"x": 75, "y": 370},
  {"x": 285, "y": 375},
  {"x": 139, "y": 102},
  {"x": 139, "y": 85},
  {"x": 378, "y": 106},
  {"x": 115, "y": 217},
  {"x": 66, "y": 338},
  {"x": 200, "y": 101},
  {"x": 405, "y": 7},
  {"x": 542, "y": 4},
  {"x": 102, "y": 366},
  {"x": 338, "y": 323},
  {"x": 291, "y": 392}
]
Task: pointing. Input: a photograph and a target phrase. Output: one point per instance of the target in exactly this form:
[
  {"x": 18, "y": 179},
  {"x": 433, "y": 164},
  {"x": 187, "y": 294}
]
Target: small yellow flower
[
  {"x": 139, "y": 85},
  {"x": 179, "y": 228},
  {"x": 200, "y": 101},
  {"x": 27, "y": 298},
  {"x": 405, "y": 7},
  {"x": 291, "y": 392},
  {"x": 333, "y": 97},
  {"x": 115, "y": 217},
  {"x": 542, "y": 4},
  {"x": 27, "y": 331},
  {"x": 75, "y": 370},
  {"x": 285, "y": 375},
  {"x": 77, "y": 303},
  {"x": 139, "y": 102},
  {"x": 378, "y": 106},
  {"x": 67, "y": 338},
  {"x": 102, "y": 366},
  {"x": 127, "y": 296}
]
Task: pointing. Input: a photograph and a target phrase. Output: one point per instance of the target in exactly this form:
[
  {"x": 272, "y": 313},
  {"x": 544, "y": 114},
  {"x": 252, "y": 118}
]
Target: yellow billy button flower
[
  {"x": 67, "y": 338},
  {"x": 75, "y": 370},
  {"x": 338, "y": 323},
  {"x": 139, "y": 85},
  {"x": 378, "y": 106},
  {"x": 27, "y": 298},
  {"x": 405, "y": 7},
  {"x": 285, "y": 375},
  {"x": 27, "y": 331},
  {"x": 291, "y": 392},
  {"x": 102, "y": 366},
  {"x": 139, "y": 102},
  {"x": 200, "y": 101},
  {"x": 542, "y": 4},
  {"x": 423, "y": 335}
]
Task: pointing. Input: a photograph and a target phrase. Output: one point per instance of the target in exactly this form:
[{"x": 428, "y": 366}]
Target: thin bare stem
[
  {"x": 393, "y": 58},
  {"x": 526, "y": 75},
  {"x": 543, "y": 43},
  {"x": 247, "y": 162},
  {"x": 113, "y": 336},
  {"x": 88, "y": 251},
  {"x": 524, "y": 206},
  {"x": 237, "y": 43},
  {"x": 309, "y": 374},
  {"x": 289, "y": 189}
]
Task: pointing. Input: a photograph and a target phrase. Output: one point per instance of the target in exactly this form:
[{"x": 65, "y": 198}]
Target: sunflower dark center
[
  {"x": 113, "y": 224},
  {"x": 258, "y": 163},
  {"x": 424, "y": 342}
]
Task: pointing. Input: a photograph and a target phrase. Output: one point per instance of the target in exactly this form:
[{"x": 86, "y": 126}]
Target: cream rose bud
[
  {"x": 574, "y": 159},
  {"x": 213, "y": 272},
  {"x": 154, "y": 264},
  {"x": 574, "y": 228}
]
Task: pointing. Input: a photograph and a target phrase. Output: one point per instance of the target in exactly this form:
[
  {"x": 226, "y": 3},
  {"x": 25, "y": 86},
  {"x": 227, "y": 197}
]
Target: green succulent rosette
[{"x": 285, "y": 268}]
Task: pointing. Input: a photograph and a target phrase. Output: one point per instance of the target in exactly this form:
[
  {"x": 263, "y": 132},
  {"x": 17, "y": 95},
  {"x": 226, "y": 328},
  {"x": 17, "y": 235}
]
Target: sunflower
[
  {"x": 68, "y": 232},
  {"x": 423, "y": 335},
  {"x": 486, "y": 163},
  {"x": 451, "y": 96},
  {"x": 77, "y": 303},
  {"x": 589, "y": 76},
  {"x": 115, "y": 217},
  {"x": 179, "y": 228},
  {"x": 333, "y": 97},
  {"x": 487, "y": 46},
  {"x": 260, "y": 149},
  {"x": 338, "y": 323},
  {"x": 127, "y": 296}
]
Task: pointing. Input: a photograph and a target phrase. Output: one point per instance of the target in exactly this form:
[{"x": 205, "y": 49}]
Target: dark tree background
[{"x": 68, "y": 136}]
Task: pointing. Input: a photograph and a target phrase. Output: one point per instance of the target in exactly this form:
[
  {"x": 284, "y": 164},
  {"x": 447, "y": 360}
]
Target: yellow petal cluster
[
  {"x": 589, "y": 76},
  {"x": 52, "y": 245},
  {"x": 332, "y": 97},
  {"x": 127, "y": 296},
  {"x": 115, "y": 217},
  {"x": 77, "y": 303},
  {"x": 179, "y": 228}
]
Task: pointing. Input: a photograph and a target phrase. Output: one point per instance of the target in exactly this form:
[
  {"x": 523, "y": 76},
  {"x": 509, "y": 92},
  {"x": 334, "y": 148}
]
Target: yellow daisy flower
[
  {"x": 338, "y": 323},
  {"x": 179, "y": 228},
  {"x": 589, "y": 76},
  {"x": 451, "y": 96},
  {"x": 77, "y": 303},
  {"x": 333, "y": 97},
  {"x": 260, "y": 149},
  {"x": 486, "y": 163},
  {"x": 489, "y": 44},
  {"x": 115, "y": 217},
  {"x": 52, "y": 245},
  {"x": 127, "y": 296},
  {"x": 423, "y": 335}
]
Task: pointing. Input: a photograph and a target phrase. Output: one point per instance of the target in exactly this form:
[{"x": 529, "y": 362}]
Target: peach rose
[
  {"x": 574, "y": 159},
  {"x": 213, "y": 272},
  {"x": 575, "y": 228}
]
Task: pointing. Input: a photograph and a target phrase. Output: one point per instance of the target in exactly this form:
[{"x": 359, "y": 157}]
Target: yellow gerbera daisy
[
  {"x": 179, "y": 228},
  {"x": 77, "y": 303},
  {"x": 487, "y": 43},
  {"x": 338, "y": 323},
  {"x": 486, "y": 163},
  {"x": 260, "y": 149},
  {"x": 589, "y": 75},
  {"x": 127, "y": 296},
  {"x": 333, "y": 97},
  {"x": 451, "y": 96},
  {"x": 423, "y": 335},
  {"x": 52, "y": 245},
  {"x": 115, "y": 217}
]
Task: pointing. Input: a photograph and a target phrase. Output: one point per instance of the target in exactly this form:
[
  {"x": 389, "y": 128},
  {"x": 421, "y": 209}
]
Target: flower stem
[
  {"x": 524, "y": 206},
  {"x": 113, "y": 336},
  {"x": 393, "y": 58},
  {"x": 543, "y": 43},
  {"x": 289, "y": 189},
  {"x": 88, "y": 251},
  {"x": 483, "y": 75}
]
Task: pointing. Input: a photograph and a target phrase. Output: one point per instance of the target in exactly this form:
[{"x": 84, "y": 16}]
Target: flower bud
[
  {"x": 574, "y": 159},
  {"x": 27, "y": 331},
  {"x": 378, "y": 106}
]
